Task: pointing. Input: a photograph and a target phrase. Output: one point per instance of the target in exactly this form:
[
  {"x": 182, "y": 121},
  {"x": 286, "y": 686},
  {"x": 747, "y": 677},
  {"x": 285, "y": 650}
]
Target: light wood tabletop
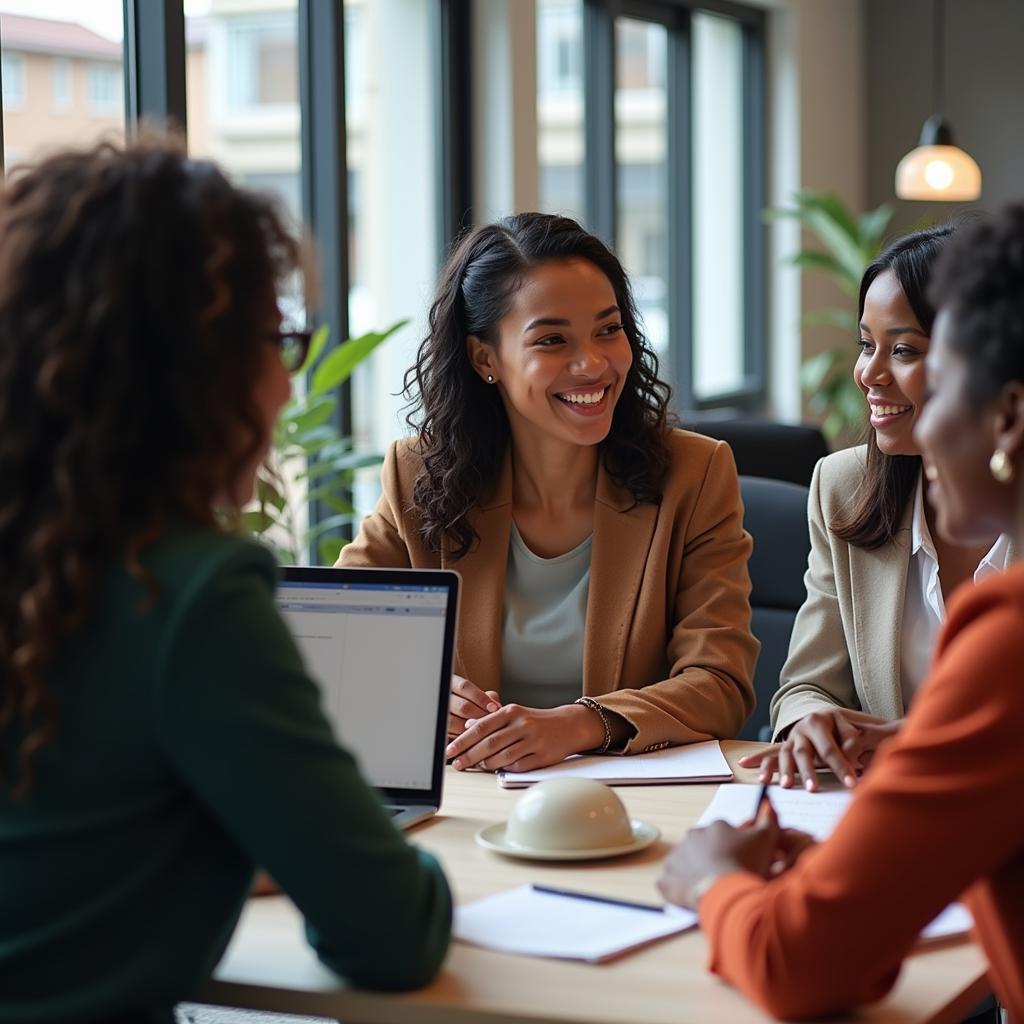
[{"x": 269, "y": 966}]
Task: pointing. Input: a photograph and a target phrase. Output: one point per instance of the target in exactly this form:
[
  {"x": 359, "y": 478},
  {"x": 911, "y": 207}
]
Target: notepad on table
[
  {"x": 698, "y": 762},
  {"x": 817, "y": 814},
  {"x": 527, "y": 922}
]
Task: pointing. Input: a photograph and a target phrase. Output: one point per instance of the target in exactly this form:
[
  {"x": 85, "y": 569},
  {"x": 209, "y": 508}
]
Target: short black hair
[{"x": 979, "y": 280}]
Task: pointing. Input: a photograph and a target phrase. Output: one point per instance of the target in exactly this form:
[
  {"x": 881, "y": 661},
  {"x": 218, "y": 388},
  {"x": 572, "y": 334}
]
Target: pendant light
[{"x": 937, "y": 169}]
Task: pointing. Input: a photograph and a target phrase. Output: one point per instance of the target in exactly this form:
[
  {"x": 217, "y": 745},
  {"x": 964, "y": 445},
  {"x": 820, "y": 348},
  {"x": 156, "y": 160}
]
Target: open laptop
[{"x": 379, "y": 642}]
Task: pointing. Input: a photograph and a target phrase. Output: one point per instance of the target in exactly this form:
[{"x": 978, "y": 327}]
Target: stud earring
[
  {"x": 1000, "y": 466},
  {"x": 490, "y": 378}
]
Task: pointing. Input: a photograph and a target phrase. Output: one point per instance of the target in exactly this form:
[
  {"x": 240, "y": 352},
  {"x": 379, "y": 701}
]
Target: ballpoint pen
[{"x": 592, "y": 898}]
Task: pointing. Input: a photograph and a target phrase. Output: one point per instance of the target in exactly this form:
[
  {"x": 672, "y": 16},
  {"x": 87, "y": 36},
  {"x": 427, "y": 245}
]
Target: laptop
[{"x": 379, "y": 643}]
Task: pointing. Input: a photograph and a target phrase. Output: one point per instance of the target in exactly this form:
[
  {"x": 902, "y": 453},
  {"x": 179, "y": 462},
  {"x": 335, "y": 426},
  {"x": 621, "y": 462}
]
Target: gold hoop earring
[
  {"x": 1000, "y": 466},
  {"x": 490, "y": 378}
]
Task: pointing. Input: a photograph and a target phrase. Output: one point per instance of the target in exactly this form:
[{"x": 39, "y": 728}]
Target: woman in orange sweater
[{"x": 938, "y": 808}]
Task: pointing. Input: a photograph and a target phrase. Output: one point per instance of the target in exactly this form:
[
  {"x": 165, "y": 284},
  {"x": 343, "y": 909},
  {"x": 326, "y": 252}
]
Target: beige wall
[{"x": 36, "y": 126}]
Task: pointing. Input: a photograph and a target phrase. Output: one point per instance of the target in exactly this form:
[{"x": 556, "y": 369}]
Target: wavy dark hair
[
  {"x": 980, "y": 281},
  {"x": 874, "y": 516},
  {"x": 460, "y": 422},
  {"x": 136, "y": 288}
]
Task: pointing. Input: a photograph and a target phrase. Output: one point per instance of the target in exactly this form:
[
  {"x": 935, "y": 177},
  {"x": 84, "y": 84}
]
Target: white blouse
[{"x": 924, "y": 610}]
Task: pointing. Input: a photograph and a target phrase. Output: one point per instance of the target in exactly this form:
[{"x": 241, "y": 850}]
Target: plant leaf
[
  {"x": 872, "y": 227},
  {"x": 257, "y": 521},
  {"x": 337, "y": 366},
  {"x": 808, "y": 259},
  {"x": 329, "y": 548}
]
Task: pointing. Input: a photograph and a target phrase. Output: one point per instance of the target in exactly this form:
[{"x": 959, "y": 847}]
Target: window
[
  {"x": 395, "y": 249},
  {"x": 105, "y": 88},
  {"x": 650, "y": 129},
  {"x": 242, "y": 88},
  {"x": 14, "y": 86},
  {"x": 560, "y": 145},
  {"x": 262, "y": 60},
  {"x": 61, "y": 80},
  {"x": 63, "y": 75},
  {"x": 641, "y": 159},
  {"x": 718, "y": 207}
]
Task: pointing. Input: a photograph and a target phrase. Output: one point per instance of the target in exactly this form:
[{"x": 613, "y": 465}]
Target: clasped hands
[
  {"x": 485, "y": 734},
  {"x": 842, "y": 740}
]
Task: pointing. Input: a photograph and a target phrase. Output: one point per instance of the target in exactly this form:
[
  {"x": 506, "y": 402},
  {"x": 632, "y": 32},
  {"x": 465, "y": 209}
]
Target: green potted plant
[
  {"x": 309, "y": 459},
  {"x": 848, "y": 244}
]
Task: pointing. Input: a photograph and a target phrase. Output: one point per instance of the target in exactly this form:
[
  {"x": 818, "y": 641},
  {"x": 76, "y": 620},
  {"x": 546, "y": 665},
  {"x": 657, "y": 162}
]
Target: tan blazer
[
  {"x": 667, "y": 641},
  {"x": 845, "y": 648}
]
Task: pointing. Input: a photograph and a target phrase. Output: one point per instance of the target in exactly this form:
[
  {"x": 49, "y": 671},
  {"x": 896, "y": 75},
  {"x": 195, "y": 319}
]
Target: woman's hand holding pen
[
  {"x": 761, "y": 847},
  {"x": 842, "y": 740}
]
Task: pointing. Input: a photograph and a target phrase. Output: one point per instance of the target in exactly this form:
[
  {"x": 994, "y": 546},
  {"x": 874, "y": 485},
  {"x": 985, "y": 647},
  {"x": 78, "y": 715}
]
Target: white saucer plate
[{"x": 492, "y": 837}]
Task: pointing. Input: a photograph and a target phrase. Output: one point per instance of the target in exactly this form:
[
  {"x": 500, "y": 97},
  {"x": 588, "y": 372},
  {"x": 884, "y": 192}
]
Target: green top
[{"x": 191, "y": 748}]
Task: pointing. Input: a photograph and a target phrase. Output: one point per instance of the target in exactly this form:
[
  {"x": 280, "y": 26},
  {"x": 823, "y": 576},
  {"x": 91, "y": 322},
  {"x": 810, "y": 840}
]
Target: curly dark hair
[
  {"x": 889, "y": 481},
  {"x": 135, "y": 292},
  {"x": 460, "y": 422},
  {"x": 980, "y": 281}
]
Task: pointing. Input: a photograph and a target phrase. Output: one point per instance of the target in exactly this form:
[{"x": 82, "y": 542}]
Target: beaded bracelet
[{"x": 589, "y": 702}]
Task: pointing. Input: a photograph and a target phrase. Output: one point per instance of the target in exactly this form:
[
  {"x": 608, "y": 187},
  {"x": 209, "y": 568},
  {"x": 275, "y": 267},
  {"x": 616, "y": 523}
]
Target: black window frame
[{"x": 600, "y": 185}]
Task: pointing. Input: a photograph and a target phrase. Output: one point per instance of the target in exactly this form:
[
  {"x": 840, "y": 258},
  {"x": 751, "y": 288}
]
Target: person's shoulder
[
  {"x": 690, "y": 453},
  {"x": 190, "y": 560},
  {"x": 842, "y": 471}
]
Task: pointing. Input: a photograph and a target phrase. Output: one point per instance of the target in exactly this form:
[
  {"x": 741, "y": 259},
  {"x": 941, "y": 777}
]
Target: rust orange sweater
[{"x": 938, "y": 817}]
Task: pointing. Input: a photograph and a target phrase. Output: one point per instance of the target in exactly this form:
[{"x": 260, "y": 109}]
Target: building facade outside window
[{"x": 63, "y": 79}]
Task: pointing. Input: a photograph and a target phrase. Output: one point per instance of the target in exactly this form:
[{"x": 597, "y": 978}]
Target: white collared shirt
[{"x": 924, "y": 610}]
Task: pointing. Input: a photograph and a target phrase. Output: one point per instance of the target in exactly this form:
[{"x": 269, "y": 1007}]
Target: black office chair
[
  {"x": 775, "y": 515},
  {"x": 779, "y": 451}
]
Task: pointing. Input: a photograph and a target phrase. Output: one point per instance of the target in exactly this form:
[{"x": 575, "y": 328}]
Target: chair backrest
[
  {"x": 775, "y": 515},
  {"x": 779, "y": 451}
]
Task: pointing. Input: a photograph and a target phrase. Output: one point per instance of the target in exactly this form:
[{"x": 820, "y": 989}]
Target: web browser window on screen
[{"x": 376, "y": 652}]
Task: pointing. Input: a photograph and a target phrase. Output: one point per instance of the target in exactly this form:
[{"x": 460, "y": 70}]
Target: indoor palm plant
[
  {"x": 848, "y": 243},
  {"x": 309, "y": 460}
]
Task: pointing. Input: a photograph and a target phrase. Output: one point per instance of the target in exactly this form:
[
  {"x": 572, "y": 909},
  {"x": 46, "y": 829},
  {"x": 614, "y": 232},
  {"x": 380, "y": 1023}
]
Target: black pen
[
  {"x": 762, "y": 796},
  {"x": 591, "y": 898}
]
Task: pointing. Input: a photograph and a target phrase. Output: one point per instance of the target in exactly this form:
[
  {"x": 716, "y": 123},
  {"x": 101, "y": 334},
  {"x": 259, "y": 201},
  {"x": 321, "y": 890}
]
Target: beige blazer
[
  {"x": 845, "y": 648},
  {"x": 667, "y": 641}
]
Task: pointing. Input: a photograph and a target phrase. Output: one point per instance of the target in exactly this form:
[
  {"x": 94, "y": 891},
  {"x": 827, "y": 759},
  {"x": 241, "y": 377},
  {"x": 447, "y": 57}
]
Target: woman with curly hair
[
  {"x": 604, "y": 563},
  {"x": 159, "y": 736}
]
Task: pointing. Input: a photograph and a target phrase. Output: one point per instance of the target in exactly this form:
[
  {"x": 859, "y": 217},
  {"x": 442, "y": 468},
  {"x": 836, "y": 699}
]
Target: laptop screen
[{"x": 378, "y": 642}]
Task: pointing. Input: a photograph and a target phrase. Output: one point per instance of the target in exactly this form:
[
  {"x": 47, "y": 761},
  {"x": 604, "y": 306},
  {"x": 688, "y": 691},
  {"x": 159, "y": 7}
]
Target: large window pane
[
  {"x": 718, "y": 293},
  {"x": 393, "y": 238},
  {"x": 560, "y": 144},
  {"x": 242, "y": 84},
  {"x": 63, "y": 78},
  {"x": 641, "y": 147}
]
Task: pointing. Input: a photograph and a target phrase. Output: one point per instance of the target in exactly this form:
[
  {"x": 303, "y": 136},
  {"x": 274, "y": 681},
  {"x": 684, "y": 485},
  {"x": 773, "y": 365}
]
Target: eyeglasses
[{"x": 294, "y": 347}]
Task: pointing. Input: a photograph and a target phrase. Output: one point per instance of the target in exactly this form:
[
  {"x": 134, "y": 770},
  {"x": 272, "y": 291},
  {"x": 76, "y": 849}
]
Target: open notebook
[{"x": 698, "y": 762}]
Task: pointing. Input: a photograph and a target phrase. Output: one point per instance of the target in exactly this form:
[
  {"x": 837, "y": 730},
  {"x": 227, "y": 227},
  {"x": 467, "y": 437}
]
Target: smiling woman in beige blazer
[
  {"x": 878, "y": 576},
  {"x": 605, "y": 600}
]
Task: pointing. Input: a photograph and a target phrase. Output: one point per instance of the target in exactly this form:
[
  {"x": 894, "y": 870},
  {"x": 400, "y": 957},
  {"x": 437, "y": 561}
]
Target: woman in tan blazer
[
  {"x": 602, "y": 554},
  {"x": 878, "y": 574}
]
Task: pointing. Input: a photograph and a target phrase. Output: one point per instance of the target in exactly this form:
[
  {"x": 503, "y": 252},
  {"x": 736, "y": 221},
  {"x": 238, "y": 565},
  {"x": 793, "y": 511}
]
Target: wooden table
[{"x": 269, "y": 966}]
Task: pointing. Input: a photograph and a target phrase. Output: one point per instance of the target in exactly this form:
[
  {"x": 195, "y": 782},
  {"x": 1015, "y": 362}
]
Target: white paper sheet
[
  {"x": 818, "y": 814},
  {"x": 697, "y": 762},
  {"x": 526, "y": 922}
]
